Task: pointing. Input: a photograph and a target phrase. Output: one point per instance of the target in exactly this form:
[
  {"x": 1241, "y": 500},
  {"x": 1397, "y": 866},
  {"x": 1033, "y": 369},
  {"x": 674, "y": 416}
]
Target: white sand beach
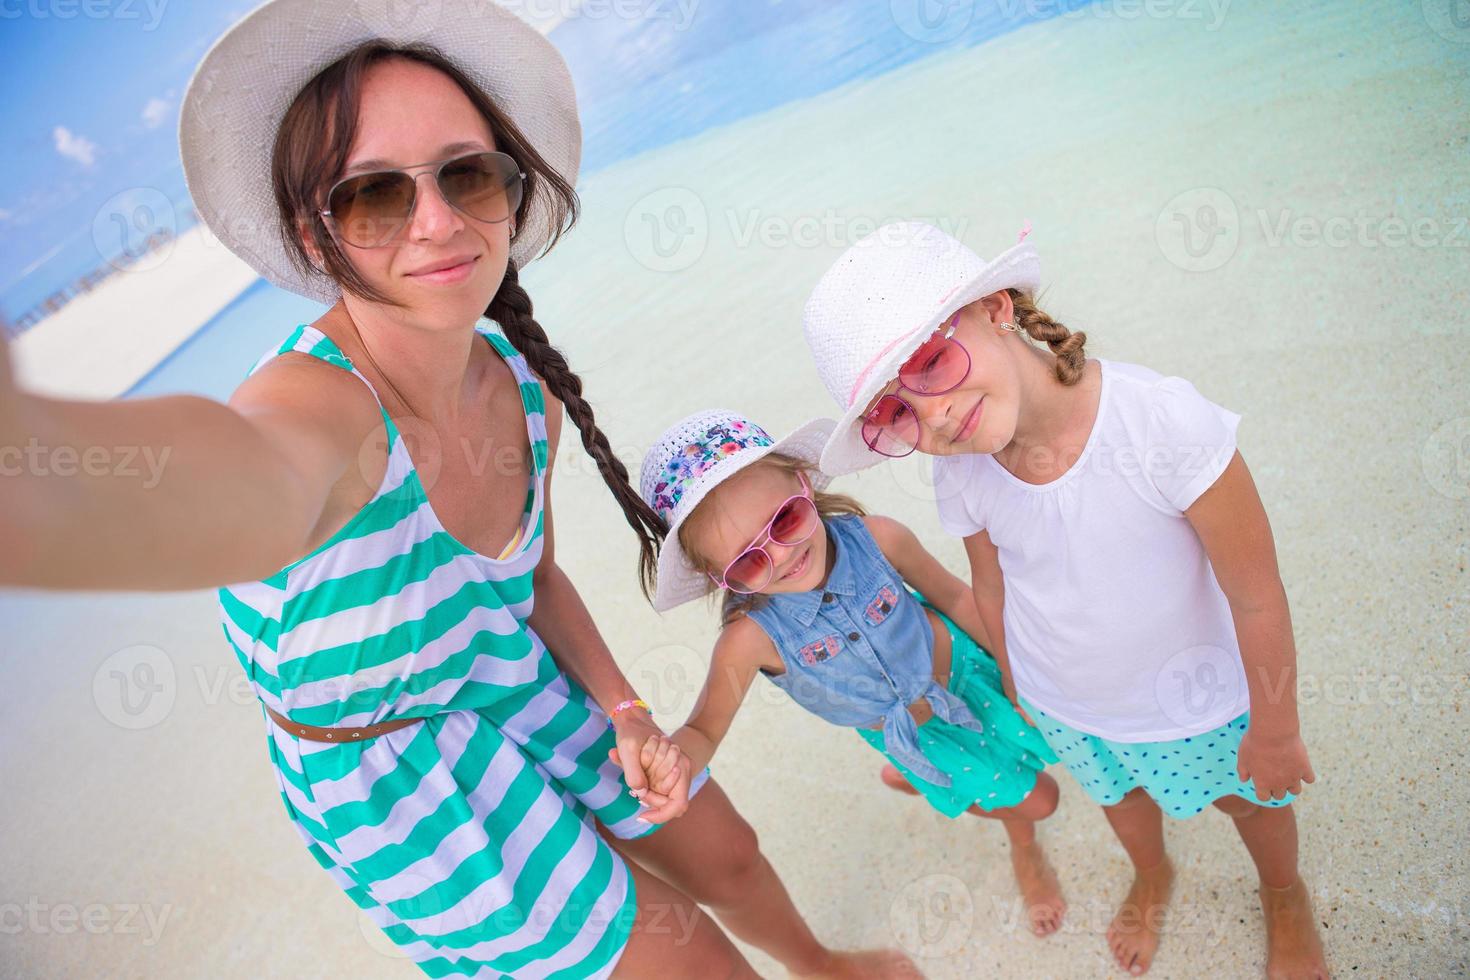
[
  {"x": 102, "y": 343},
  {"x": 1173, "y": 173}
]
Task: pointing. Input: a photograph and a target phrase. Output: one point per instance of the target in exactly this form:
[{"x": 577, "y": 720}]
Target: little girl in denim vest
[
  {"x": 816, "y": 599},
  {"x": 1121, "y": 558}
]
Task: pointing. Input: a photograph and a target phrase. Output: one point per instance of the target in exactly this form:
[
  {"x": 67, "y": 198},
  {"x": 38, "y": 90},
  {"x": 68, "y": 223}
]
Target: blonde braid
[{"x": 1066, "y": 345}]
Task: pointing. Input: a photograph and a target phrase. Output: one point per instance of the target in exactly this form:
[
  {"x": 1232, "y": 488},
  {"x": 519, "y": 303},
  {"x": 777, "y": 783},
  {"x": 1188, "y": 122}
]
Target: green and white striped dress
[{"x": 467, "y": 838}]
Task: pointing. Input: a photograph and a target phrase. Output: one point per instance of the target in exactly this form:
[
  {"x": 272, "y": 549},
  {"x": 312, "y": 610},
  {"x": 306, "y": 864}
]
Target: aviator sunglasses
[
  {"x": 792, "y": 523},
  {"x": 367, "y": 210},
  {"x": 940, "y": 365}
]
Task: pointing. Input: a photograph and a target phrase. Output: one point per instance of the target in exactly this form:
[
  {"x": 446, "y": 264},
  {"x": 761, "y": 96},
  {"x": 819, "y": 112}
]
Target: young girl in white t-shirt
[{"x": 1121, "y": 558}]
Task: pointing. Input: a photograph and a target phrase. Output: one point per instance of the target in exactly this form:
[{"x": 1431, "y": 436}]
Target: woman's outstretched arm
[{"x": 176, "y": 492}]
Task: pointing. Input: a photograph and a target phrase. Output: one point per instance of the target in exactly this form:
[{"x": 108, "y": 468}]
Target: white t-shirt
[{"x": 1114, "y": 622}]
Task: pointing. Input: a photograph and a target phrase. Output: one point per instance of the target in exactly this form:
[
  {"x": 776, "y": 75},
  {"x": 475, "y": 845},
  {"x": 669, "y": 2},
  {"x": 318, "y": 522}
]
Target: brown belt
[{"x": 314, "y": 734}]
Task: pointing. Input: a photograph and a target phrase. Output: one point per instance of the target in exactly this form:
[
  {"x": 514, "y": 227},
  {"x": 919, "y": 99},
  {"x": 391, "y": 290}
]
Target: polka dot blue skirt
[{"x": 1183, "y": 775}]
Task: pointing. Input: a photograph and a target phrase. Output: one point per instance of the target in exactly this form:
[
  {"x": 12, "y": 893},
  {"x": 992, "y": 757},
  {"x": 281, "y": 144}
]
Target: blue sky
[
  {"x": 92, "y": 109},
  {"x": 98, "y": 116}
]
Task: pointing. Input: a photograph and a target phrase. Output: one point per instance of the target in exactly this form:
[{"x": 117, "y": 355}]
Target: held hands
[
  {"x": 655, "y": 768},
  {"x": 1277, "y": 762}
]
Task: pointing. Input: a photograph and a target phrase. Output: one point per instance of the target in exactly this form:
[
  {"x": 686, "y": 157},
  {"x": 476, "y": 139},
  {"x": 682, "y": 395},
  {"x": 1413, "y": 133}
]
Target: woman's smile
[{"x": 449, "y": 276}]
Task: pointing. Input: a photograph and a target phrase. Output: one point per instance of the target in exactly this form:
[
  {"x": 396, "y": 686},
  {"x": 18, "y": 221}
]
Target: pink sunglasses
[
  {"x": 940, "y": 365},
  {"x": 792, "y": 523}
]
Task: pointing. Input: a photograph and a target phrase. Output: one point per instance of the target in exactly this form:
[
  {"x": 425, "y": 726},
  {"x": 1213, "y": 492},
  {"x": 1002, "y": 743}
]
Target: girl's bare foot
[
  {"x": 894, "y": 779},
  {"x": 868, "y": 964},
  {"x": 1040, "y": 889},
  {"x": 1293, "y": 948},
  {"x": 1134, "y": 935}
]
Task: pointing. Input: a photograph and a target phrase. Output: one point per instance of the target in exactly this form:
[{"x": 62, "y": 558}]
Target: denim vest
[{"x": 861, "y": 649}]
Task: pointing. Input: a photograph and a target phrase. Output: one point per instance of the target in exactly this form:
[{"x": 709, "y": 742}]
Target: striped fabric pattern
[{"x": 468, "y": 838}]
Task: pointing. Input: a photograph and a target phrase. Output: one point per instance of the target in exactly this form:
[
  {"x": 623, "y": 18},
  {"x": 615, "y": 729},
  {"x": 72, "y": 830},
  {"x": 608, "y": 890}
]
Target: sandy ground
[{"x": 146, "y": 838}]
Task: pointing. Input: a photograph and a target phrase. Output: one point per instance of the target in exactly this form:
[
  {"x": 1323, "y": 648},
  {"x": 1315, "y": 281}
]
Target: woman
[{"x": 441, "y": 740}]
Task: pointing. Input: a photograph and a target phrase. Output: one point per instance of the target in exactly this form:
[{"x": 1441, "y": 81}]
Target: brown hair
[
  {"x": 736, "y": 604},
  {"x": 311, "y": 149},
  {"x": 1066, "y": 345}
]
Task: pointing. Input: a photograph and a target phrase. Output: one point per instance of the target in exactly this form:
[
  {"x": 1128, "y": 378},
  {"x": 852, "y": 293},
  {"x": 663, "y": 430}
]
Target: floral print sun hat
[{"x": 689, "y": 460}]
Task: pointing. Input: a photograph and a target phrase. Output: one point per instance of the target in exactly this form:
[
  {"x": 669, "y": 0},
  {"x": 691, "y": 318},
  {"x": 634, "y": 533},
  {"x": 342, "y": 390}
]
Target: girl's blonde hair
[
  {"x": 735, "y": 604},
  {"x": 1066, "y": 345}
]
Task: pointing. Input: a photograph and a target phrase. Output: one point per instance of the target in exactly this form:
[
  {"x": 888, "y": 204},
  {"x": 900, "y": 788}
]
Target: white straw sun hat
[
  {"x": 246, "y": 81},
  {"x": 880, "y": 301},
  {"x": 689, "y": 460}
]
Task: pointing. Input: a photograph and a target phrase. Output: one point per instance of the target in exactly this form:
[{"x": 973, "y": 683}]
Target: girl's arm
[
  {"x": 175, "y": 492},
  {"x": 945, "y": 591},
  {"x": 1231, "y": 523},
  {"x": 990, "y": 595},
  {"x": 564, "y": 624},
  {"x": 742, "y": 649}
]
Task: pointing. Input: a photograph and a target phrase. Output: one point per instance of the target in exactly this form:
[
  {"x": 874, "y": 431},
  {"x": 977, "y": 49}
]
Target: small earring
[{"x": 1008, "y": 325}]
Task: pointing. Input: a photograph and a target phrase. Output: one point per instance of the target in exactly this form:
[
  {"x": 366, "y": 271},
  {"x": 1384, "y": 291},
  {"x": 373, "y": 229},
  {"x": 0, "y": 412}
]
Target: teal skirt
[
  {"x": 993, "y": 769},
  {"x": 1183, "y": 775}
]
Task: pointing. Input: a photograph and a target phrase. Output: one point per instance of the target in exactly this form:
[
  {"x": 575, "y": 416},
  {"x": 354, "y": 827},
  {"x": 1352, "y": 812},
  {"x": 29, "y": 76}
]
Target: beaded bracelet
[{"x": 634, "y": 703}]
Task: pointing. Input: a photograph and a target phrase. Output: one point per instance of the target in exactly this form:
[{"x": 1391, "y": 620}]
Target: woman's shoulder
[{"x": 305, "y": 392}]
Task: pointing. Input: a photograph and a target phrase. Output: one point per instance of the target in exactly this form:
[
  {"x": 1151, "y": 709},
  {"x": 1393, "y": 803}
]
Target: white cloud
[
  {"x": 155, "y": 113},
  {"x": 74, "y": 147}
]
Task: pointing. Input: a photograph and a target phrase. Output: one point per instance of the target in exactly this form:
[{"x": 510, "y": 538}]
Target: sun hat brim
[
  {"x": 245, "y": 82},
  {"x": 678, "y": 580},
  {"x": 1018, "y": 267}
]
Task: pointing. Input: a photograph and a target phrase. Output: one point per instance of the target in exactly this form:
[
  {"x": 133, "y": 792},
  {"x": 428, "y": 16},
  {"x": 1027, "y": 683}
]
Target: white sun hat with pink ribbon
[
  {"x": 880, "y": 301},
  {"x": 691, "y": 458}
]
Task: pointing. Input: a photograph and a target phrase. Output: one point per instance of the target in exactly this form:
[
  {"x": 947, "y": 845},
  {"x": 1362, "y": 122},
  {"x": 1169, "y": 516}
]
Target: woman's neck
[{"x": 433, "y": 372}]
